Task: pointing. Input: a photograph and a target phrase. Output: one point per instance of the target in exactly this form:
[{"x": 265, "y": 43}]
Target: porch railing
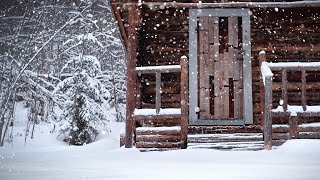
[
  {"x": 266, "y": 94},
  {"x": 166, "y": 113}
]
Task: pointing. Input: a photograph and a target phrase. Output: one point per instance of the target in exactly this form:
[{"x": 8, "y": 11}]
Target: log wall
[{"x": 286, "y": 34}]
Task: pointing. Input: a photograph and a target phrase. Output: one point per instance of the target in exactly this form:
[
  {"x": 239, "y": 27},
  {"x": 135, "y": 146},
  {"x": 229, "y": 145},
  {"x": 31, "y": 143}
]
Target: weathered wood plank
[
  {"x": 158, "y": 144},
  {"x": 284, "y": 90},
  {"x": 204, "y": 68},
  {"x": 158, "y": 138},
  {"x": 158, "y": 92},
  {"x": 184, "y": 101},
  {"x": 303, "y": 90},
  {"x": 293, "y": 127},
  {"x": 267, "y": 113},
  {"x": 147, "y": 117}
]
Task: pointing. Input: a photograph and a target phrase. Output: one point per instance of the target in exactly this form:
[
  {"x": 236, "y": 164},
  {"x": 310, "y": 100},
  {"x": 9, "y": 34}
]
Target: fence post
[
  {"x": 267, "y": 114},
  {"x": 262, "y": 58},
  {"x": 184, "y": 101},
  {"x": 293, "y": 127}
]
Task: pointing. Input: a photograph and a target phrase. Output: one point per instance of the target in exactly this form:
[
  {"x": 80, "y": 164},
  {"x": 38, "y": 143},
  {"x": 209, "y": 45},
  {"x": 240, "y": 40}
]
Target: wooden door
[{"x": 220, "y": 67}]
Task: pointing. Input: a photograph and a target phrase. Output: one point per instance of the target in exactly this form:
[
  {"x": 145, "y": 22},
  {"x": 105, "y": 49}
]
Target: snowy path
[{"x": 297, "y": 159}]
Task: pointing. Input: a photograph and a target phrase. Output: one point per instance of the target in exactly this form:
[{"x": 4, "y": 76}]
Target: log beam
[
  {"x": 131, "y": 73},
  {"x": 118, "y": 17},
  {"x": 296, "y": 4}
]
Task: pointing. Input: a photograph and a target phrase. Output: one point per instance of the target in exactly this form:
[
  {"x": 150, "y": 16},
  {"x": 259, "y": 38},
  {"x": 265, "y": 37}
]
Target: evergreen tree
[{"x": 85, "y": 102}]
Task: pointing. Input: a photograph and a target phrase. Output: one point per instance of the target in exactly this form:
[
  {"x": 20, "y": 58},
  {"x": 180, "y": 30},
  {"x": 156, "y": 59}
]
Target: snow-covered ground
[{"x": 46, "y": 158}]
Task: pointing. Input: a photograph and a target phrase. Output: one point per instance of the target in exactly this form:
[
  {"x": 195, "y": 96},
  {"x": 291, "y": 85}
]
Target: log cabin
[{"x": 214, "y": 73}]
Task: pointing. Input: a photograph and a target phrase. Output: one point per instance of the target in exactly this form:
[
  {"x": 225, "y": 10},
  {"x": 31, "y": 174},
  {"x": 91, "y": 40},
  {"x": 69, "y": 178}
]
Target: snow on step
[
  {"x": 152, "y": 112},
  {"x": 215, "y": 138},
  {"x": 172, "y": 128},
  {"x": 252, "y": 146},
  {"x": 157, "y": 149}
]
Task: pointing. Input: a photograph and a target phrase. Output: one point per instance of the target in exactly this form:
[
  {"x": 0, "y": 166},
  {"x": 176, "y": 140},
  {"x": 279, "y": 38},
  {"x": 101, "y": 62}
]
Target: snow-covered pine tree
[{"x": 85, "y": 99}]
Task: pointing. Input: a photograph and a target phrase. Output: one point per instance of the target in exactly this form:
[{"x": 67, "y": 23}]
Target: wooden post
[
  {"x": 293, "y": 127},
  {"x": 131, "y": 74},
  {"x": 184, "y": 101},
  {"x": 284, "y": 90},
  {"x": 262, "y": 58},
  {"x": 158, "y": 93},
  {"x": 119, "y": 21},
  {"x": 303, "y": 90},
  {"x": 267, "y": 113}
]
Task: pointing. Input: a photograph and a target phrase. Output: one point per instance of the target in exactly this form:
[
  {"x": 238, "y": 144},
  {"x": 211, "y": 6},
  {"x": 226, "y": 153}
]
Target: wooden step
[
  {"x": 157, "y": 149},
  {"x": 213, "y": 138},
  {"x": 174, "y": 130},
  {"x": 235, "y": 146},
  {"x": 224, "y": 129},
  {"x": 158, "y": 138},
  {"x": 158, "y": 144}
]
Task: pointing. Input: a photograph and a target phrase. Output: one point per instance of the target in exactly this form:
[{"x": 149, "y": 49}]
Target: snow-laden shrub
[{"x": 85, "y": 102}]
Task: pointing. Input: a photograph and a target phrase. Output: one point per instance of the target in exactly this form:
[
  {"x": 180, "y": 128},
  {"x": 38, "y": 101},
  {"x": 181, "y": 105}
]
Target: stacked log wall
[{"x": 286, "y": 34}]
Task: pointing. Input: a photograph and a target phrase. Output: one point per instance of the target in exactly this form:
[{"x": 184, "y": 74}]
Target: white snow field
[
  {"x": 296, "y": 159},
  {"x": 46, "y": 158}
]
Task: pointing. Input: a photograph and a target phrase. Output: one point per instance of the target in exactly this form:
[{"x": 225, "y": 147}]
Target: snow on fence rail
[{"x": 266, "y": 95}]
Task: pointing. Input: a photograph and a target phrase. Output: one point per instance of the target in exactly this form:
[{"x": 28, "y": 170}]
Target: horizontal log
[
  {"x": 157, "y": 5},
  {"x": 157, "y": 138},
  {"x": 216, "y": 138},
  {"x": 165, "y": 98},
  {"x": 278, "y": 142},
  {"x": 280, "y": 129},
  {"x": 163, "y": 105},
  {"x": 158, "y": 144},
  {"x": 147, "y": 117},
  {"x": 154, "y": 132},
  {"x": 309, "y": 135},
  {"x": 280, "y": 136},
  {"x": 294, "y": 86},
  {"x": 308, "y": 129},
  {"x": 224, "y": 129},
  {"x": 165, "y": 89},
  {"x": 159, "y": 122}
]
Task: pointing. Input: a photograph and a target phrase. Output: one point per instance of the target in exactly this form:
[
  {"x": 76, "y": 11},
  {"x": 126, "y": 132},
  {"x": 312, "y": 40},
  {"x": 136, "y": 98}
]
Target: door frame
[{"x": 193, "y": 65}]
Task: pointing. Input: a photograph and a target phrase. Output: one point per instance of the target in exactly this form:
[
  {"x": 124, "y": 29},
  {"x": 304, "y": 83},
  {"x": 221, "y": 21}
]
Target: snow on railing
[
  {"x": 266, "y": 95},
  {"x": 294, "y": 110},
  {"x": 152, "y": 112},
  {"x": 265, "y": 71}
]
